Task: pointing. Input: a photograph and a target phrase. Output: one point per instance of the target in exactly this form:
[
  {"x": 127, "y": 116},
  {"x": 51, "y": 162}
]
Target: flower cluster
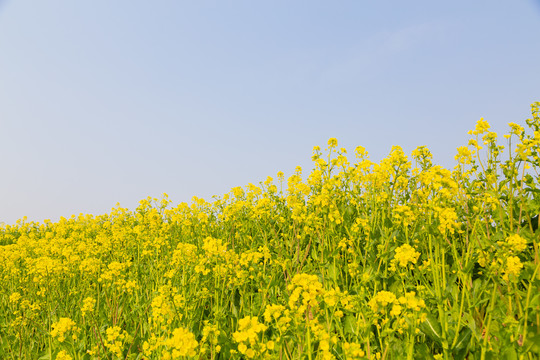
[
  {"x": 405, "y": 255},
  {"x": 249, "y": 337},
  {"x": 63, "y": 327},
  {"x": 305, "y": 291}
]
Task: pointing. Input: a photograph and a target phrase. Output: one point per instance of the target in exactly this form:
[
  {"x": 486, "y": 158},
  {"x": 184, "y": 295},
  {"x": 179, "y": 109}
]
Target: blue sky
[{"x": 112, "y": 101}]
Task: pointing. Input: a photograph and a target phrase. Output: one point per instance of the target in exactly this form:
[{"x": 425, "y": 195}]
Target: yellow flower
[
  {"x": 324, "y": 345},
  {"x": 114, "y": 340},
  {"x": 305, "y": 290},
  {"x": 353, "y": 351},
  {"x": 248, "y": 328},
  {"x": 405, "y": 254},
  {"x": 412, "y": 302},
  {"x": 481, "y": 127},
  {"x": 210, "y": 333},
  {"x": 250, "y": 353},
  {"x": 183, "y": 343},
  {"x": 332, "y": 296},
  {"x": 62, "y": 327},
  {"x": 464, "y": 155},
  {"x": 513, "y": 267},
  {"x": 14, "y": 297},
  {"x": 88, "y": 306},
  {"x": 447, "y": 219},
  {"x": 273, "y": 312},
  {"x": 63, "y": 355},
  {"x": 516, "y": 129},
  {"x": 516, "y": 243},
  {"x": 382, "y": 299},
  {"x": 396, "y": 310}
]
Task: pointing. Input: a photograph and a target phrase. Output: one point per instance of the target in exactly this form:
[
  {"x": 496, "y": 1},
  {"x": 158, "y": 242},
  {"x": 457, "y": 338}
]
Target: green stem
[{"x": 486, "y": 332}]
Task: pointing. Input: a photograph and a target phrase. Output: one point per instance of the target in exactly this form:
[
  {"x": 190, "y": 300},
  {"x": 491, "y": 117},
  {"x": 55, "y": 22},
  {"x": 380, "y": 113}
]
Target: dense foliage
[{"x": 397, "y": 260}]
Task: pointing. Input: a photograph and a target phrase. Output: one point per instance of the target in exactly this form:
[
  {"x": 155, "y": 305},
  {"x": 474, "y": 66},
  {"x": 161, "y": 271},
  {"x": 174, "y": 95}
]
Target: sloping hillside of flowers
[{"x": 400, "y": 259}]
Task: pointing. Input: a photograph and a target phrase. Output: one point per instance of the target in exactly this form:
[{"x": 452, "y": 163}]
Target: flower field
[{"x": 400, "y": 259}]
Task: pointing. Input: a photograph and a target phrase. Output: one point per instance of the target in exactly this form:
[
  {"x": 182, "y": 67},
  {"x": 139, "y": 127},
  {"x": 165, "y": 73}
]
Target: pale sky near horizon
[{"x": 113, "y": 101}]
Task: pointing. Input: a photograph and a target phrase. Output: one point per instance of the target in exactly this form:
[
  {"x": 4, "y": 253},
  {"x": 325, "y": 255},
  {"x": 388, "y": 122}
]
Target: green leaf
[
  {"x": 459, "y": 354},
  {"x": 509, "y": 354},
  {"x": 350, "y": 324},
  {"x": 432, "y": 328},
  {"x": 332, "y": 272},
  {"x": 45, "y": 357},
  {"x": 533, "y": 344},
  {"x": 463, "y": 338},
  {"x": 421, "y": 352},
  {"x": 461, "y": 348},
  {"x": 468, "y": 267},
  {"x": 534, "y": 302}
]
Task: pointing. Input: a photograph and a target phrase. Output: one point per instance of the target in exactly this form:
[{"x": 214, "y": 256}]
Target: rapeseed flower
[
  {"x": 464, "y": 155},
  {"x": 248, "y": 329},
  {"x": 405, "y": 254},
  {"x": 62, "y": 327},
  {"x": 447, "y": 219},
  {"x": 381, "y": 300},
  {"x": 278, "y": 313},
  {"x": 353, "y": 351},
  {"x": 305, "y": 292},
  {"x": 512, "y": 267},
  {"x": 481, "y": 127},
  {"x": 63, "y": 355},
  {"x": 183, "y": 343},
  {"x": 114, "y": 340},
  {"x": 516, "y": 243},
  {"x": 248, "y": 334},
  {"x": 88, "y": 306},
  {"x": 14, "y": 297}
]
